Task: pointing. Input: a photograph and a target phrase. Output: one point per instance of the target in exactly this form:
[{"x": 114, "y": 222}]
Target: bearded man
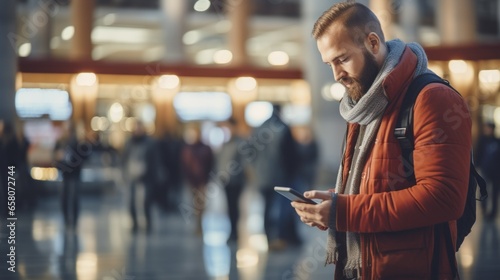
[{"x": 381, "y": 224}]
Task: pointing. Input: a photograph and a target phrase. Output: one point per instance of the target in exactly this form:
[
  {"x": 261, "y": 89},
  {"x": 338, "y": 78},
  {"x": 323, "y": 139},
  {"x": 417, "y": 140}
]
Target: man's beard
[{"x": 360, "y": 86}]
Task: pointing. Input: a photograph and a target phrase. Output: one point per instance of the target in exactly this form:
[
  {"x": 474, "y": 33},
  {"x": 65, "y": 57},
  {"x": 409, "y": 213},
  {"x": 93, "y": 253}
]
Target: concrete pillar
[
  {"x": 327, "y": 123},
  {"x": 174, "y": 15},
  {"x": 83, "y": 89},
  {"x": 456, "y": 20},
  {"x": 238, "y": 13},
  {"x": 410, "y": 20},
  {"x": 384, "y": 11},
  {"x": 8, "y": 65},
  {"x": 82, "y": 19},
  {"x": 164, "y": 90},
  {"x": 41, "y": 14}
]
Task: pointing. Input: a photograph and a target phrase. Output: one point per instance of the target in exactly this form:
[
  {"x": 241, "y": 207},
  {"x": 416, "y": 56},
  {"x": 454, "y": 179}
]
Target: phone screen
[{"x": 293, "y": 195}]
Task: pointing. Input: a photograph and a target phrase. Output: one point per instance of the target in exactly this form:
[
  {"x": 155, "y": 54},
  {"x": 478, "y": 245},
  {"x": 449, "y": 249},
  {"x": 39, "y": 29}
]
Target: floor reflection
[
  {"x": 104, "y": 248},
  {"x": 216, "y": 253},
  {"x": 72, "y": 266}
]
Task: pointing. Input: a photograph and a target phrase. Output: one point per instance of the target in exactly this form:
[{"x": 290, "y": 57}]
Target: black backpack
[{"x": 404, "y": 133}]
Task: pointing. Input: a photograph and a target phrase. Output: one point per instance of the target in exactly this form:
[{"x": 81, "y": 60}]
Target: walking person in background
[
  {"x": 274, "y": 166},
  {"x": 141, "y": 164},
  {"x": 306, "y": 157},
  {"x": 9, "y": 155},
  {"x": 306, "y": 149},
  {"x": 29, "y": 192},
  {"x": 488, "y": 160},
  {"x": 69, "y": 158},
  {"x": 170, "y": 148},
  {"x": 230, "y": 166},
  {"x": 197, "y": 162},
  {"x": 382, "y": 223}
]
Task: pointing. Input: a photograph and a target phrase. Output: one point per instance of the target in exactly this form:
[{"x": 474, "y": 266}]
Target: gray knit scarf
[{"x": 367, "y": 111}]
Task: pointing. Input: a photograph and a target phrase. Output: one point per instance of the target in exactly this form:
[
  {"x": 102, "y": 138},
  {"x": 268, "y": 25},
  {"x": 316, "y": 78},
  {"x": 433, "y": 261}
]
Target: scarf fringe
[{"x": 332, "y": 257}]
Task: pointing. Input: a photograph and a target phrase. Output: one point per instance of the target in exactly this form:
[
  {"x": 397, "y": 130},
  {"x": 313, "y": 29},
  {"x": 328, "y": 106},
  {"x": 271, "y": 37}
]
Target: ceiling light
[
  {"x": 68, "y": 33},
  {"x": 86, "y": 79},
  {"x": 278, "y": 58},
  {"x": 24, "y": 50},
  {"x": 458, "y": 66},
  {"x": 205, "y": 56},
  {"x": 116, "y": 112},
  {"x": 246, "y": 83},
  {"x": 168, "y": 81},
  {"x": 489, "y": 76},
  {"x": 127, "y": 35},
  {"x": 223, "y": 56},
  {"x": 201, "y": 5},
  {"x": 191, "y": 37}
]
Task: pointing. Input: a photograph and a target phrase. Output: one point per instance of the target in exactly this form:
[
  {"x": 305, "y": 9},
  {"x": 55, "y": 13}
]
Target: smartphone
[{"x": 293, "y": 195}]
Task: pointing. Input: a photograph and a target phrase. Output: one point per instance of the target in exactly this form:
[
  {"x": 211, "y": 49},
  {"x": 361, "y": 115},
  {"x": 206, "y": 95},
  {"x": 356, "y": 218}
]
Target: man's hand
[{"x": 316, "y": 215}]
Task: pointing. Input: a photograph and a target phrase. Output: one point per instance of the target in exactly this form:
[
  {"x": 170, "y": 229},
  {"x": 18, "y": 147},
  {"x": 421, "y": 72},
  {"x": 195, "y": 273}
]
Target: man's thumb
[{"x": 324, "y": 195}]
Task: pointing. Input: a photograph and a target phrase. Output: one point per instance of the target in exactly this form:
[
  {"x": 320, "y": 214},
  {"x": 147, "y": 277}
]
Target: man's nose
[{"x": 338, "y": 73}]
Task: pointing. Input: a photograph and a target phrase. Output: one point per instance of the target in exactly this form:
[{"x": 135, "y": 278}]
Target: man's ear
[{"x": 372, "y": 43}]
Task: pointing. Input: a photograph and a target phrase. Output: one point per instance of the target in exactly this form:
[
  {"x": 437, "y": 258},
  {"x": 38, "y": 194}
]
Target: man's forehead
[{"x": 335, "y": 41}]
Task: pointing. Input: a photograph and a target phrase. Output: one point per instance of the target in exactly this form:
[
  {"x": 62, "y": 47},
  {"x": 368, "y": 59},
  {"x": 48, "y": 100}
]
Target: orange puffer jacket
[{"x": 394, "y": 217}]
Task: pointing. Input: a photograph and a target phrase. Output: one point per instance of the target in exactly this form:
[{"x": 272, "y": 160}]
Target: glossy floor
[{"x": 103, "y": 247}]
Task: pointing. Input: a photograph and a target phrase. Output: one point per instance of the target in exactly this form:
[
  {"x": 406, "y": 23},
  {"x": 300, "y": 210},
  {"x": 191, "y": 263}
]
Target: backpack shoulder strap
[{"x": 404, "y": 124}]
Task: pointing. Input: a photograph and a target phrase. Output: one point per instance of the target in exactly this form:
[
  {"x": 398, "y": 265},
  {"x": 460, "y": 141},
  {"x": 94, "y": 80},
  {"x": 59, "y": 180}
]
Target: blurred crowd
[{"x": 158, "y": 171}]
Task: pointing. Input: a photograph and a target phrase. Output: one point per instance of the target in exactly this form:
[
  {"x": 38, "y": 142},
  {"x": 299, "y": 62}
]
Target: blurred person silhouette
[
  {"x": 197, "y": 162},
  {"x": 488, "y": 160},
  {"x": 26, "y": 183},
  {"x": 68, "y": 156},
  {"x": 306, "y": 157},
  {"x": 306, "y": 152},
  {"x": 69, "y": 257},
  {"x": 170, "y": 147},
  {"x": 274, "y": 166},
  {"x": 230, "y": 170},
  {"x": 141, "y": 166},
  {"x": 384, "y": 222},
  {"x": 9, "y": 156}
]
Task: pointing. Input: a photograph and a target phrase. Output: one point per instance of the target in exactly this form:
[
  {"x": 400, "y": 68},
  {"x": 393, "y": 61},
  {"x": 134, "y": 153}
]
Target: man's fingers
[
  {"x": 303, "y": 206},
  {"x": 307, "y": 217},
  {"x": 324, "y": 195},
  {"x": 313, "y": 215}
]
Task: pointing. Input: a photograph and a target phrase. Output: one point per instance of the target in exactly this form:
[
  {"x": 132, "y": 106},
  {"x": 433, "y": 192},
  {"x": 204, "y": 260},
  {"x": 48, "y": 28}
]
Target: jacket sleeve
[{"x": 442, "y": 132}]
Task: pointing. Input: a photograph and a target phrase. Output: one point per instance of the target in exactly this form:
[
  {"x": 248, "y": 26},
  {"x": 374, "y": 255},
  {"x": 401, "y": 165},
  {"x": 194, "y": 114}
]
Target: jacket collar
[{"x": 401, "y": 76}]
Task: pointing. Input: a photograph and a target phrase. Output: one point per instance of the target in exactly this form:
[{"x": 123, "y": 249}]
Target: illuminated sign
[
  {"x": 197, "y": 106},
  {"x": 38, "y": 102}
]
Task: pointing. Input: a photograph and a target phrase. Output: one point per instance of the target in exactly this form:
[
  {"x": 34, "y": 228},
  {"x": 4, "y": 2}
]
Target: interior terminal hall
[{"x": 97, "y": 77}]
